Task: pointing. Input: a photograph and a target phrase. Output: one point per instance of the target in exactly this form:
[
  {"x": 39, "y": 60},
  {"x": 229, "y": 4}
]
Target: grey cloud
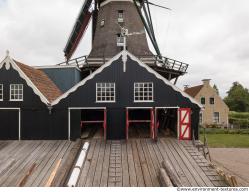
[{"x": 212, "y": 36}]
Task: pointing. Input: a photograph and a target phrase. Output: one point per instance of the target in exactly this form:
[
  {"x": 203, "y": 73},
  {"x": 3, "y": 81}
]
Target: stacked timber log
[
  {"x": 230, "y": 179},
  {"x": 168, "y": 177}
]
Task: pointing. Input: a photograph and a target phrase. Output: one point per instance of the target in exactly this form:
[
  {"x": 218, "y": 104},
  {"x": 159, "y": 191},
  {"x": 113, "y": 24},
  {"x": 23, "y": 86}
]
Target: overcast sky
[{"x": 211, "y": 35}]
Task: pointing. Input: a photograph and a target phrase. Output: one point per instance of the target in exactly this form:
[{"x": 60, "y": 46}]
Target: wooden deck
[
  {"x": 18, "y": 157},
  {"x": 136, "y": 163}
]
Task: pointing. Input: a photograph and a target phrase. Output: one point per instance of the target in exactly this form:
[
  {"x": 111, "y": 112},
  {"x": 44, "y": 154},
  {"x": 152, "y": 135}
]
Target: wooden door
[{"x": 185, "y": 124}]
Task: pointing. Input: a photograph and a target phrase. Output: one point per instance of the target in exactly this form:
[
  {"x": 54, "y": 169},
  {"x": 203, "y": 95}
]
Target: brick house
[{"x": 215, "y": 110}]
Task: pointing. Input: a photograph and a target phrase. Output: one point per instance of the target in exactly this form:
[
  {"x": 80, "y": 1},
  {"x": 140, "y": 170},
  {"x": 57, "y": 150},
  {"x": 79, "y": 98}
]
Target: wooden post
[
  {"x": 164, "y": 178},
  {"x": 172, "y": 174}
]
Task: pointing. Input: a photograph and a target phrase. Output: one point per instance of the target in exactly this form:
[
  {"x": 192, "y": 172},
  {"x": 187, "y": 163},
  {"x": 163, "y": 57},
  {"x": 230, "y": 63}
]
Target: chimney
[{"x": 206, "y": 82}]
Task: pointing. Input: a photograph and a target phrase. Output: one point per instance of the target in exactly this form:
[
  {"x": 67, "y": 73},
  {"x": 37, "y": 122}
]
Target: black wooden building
[
  {"x": 25, "y": 96},
  {"x": 119, "y": 88},
  {"x": 118, "y": 95},
  {"x": 127, "y": 92}
]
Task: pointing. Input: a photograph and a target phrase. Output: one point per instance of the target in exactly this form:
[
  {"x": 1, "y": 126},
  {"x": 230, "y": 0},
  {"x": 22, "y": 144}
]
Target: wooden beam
[
  {"x": 164, "y": 178},
  {"x": 52, "y": 176},
  {"x": 172, "y": 174}
]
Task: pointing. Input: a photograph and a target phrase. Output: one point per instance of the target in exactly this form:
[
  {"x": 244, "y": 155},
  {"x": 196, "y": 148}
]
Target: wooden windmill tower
[{"x": 108, "y": 16}]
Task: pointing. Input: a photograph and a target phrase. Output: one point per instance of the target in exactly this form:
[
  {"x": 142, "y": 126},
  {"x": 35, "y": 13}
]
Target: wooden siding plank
[
  {"x": 125, "y": 166},
  {"x": 191, "y": 175},
  {"x": 90, "y": 176},
  {"x": 167, "y": 155},
  {"x": 87, "y": 164},
  {"x": 98, "y": 171},
  {"x": 131, "y": 164},
  {"x": 144, "y": 165},
  {"x": 138, "y": 169},
  {"x": 151, "y": 165},
  {"x": 104, "y": 176},
  {"x": 193, "y": 163}
]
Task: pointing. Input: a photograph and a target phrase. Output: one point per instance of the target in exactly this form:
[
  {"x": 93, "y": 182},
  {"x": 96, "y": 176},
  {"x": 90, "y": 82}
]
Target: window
[
  {"x": 16, "y": 92},
  {"x": 120, "y": 16},
  {"x": 102, "y": 23},
  {"x": 143, "y": 92},
  {"x": 105, "y": 92},
  {"x": 120, "y": 40},
  {"x": 1, "y": 92},
  {"x": 211, "y": 100},
  {"x": 216, "y": 117},
  {"x": 203, "y": 101},
  {"x": 201, "y": 118}
]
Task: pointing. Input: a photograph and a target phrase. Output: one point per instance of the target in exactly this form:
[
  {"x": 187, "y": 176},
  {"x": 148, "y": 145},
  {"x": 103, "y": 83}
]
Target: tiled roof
[
  {"x": 45, "y": 85},
  {"x": 193, "y": 91}
]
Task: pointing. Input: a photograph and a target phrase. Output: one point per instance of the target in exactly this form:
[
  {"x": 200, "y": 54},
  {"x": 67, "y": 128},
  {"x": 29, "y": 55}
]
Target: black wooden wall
[
  {"x": 164, "y": 95},
  {"x": 36, "y": 122}
]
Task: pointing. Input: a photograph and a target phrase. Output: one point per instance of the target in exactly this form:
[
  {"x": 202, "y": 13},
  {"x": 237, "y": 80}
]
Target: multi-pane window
[
  {"x": 120, "y": 40},
  {"x": 102, "y": 23},
  {"x": 16, "y": 92},
  {"x": 211, "y": 100},
  {"x": 1, "y": 92},
  {"x": 143, "y": 92},
  {"x": 120, "y": 16},
  {"x": 203, "y": 100},
  {"x": 105, "y": 92},
  {"x": 216, "y": 117}
]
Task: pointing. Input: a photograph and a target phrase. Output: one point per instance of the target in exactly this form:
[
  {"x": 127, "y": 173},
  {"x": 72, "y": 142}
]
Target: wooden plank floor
[
  {"x": 137, "y": 161},
  {"x": 17, "y": 158}
]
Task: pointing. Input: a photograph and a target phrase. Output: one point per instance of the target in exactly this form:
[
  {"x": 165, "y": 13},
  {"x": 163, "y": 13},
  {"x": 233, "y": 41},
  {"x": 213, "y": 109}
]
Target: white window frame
[
  {"x": 18, "y": 92},
  {"x": 214, "y": 117},
  {"x": 103, "y": 90},
  {"x": 102, "y": 23},
  {"x": 120, "y": 16},
  {"x": 136, "y": 100},
  {"x": 1, "y": 94}
]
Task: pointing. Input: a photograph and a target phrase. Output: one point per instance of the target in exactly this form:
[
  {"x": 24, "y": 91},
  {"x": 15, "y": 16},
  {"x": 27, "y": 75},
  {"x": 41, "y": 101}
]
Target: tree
[
  {"x": 238, "y": 98},
  {"x": 216, "y": 89}
]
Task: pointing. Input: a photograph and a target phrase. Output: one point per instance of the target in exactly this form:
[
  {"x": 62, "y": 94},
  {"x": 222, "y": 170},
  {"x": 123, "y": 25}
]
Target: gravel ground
[{"x": 233, "y": 160}]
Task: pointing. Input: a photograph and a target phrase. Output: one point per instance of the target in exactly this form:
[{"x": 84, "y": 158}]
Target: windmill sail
[{"x": 79, "y": 29}]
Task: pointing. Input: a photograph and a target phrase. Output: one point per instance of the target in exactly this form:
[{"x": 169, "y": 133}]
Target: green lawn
[{"x": 228, "y": 140}]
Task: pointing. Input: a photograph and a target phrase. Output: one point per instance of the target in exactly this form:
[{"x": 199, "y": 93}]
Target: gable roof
[
  {"x": 193, "y": 91},
  {"x": 124, "y": 55},
  {"x": 41, "y": 81},
  {"x": 41, "y": 84}
]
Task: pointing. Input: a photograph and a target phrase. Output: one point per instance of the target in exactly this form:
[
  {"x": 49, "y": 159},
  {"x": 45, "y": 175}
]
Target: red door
[{"x": 185, "y": 124}]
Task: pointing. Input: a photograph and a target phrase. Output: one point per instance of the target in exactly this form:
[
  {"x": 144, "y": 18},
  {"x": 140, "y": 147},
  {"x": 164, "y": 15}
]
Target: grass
[{"x": 227, "y": 140}]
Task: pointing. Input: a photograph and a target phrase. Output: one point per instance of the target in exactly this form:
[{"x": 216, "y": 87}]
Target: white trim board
[
  {"x": 124, "y": 53},
  {"x": 81, "y": 83},
  {"x": 8, "y": 61},
  {"x": 56, "y": 67},
  {"x": 142, "y": 108},
  {"x": 19, "y": 120}
]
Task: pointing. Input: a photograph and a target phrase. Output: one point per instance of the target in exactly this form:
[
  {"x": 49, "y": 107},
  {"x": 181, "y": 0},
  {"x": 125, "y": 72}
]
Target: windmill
[{"x": 107, "y": 40}]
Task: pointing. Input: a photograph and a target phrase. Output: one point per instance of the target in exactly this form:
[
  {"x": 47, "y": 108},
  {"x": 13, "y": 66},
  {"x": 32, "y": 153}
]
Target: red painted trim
[
  {"x": 104, "y": 124},
  {"x": 127, "y": 124},
  {"x": 182, "y": 133}
]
